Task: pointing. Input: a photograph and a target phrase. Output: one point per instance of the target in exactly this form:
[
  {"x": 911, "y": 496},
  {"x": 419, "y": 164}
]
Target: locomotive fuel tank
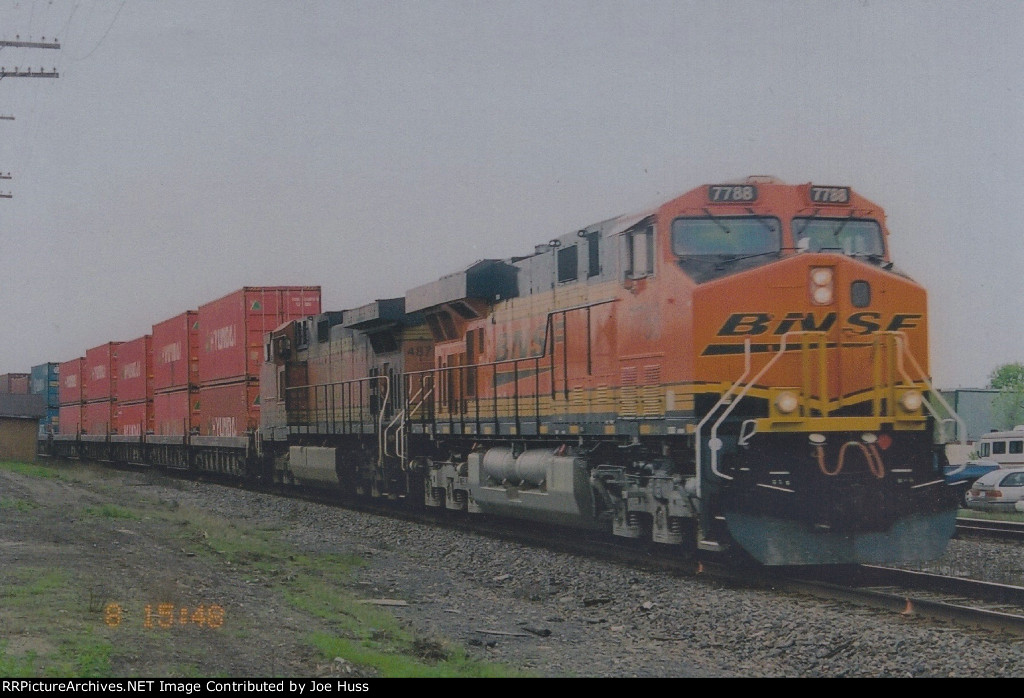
[
  {"x": 313, "y": 465},
  {"x": 537, "y": 484}
]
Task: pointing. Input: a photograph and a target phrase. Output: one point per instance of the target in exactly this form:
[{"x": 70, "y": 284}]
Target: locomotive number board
[
  {"x": 829, "y": 195},
  {"x": 731, "y": 193}
]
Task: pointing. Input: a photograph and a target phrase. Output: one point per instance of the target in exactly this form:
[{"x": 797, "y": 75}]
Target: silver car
[{"x": 999, "y": 490}]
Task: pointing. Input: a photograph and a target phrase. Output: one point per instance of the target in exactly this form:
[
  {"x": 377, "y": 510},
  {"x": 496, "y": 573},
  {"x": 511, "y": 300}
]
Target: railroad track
[
  {"x": 987, "y": 528},
  {"x": 965, "y": 602},
  {"x": 997, "y": 607}
]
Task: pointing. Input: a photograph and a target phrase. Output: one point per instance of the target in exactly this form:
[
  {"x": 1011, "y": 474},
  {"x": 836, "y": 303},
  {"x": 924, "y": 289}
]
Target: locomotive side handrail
[
  {"x": 348, "y": 407},
  {"x": 436, "y": 377},
  {"x": 903, "y": 342},
  {"x": 726, "y": 396},
  {"x": 381, "y": 444},
  {"x": 400, "y": 419},
  {"x": 742, "y": 394}
]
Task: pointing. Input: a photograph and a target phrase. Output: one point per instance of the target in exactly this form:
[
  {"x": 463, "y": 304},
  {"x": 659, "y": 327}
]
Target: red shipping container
[
  {"x": 232, "y": 328},
  {"x": 14, "y": 383},
  {"x": 134, "y": 370},
  {"x": 100, "y": 417},
  {"x": 72, "y": 383},
  {"x": 176, "y": 412},
  {"x": 70, "y": 419},
  {"x": 136, "y": 418},
  {"x": 229, "y": 409},
  {"x": 101, "y": 371},
  {"x": 176, "y": 352}
]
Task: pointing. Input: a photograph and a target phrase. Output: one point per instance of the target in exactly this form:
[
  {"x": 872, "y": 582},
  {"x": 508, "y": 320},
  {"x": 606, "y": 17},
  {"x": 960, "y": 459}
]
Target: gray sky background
[{"x": 189, "y": 148}]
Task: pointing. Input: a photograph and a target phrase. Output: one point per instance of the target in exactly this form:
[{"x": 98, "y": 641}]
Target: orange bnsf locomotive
[{"x": 740, "y": 367}]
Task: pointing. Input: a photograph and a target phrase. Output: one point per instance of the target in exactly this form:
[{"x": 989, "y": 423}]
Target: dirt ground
[{"x": 104, "y": 574}]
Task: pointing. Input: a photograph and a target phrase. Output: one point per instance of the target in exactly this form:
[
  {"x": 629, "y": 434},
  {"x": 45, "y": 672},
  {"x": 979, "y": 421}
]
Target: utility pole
[
  {"x": 42, "y": 43},
  {"x": 24, "y": 73},
  {"x": 27, "y": 73}
]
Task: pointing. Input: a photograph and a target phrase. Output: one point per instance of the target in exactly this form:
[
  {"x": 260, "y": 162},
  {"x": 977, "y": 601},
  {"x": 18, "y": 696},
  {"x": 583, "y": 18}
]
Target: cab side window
[{"x": 640, "y": 252}]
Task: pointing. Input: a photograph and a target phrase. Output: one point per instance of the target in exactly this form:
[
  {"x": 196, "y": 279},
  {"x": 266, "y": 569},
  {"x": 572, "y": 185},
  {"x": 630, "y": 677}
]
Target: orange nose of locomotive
[{"x": 830, "y": 326}]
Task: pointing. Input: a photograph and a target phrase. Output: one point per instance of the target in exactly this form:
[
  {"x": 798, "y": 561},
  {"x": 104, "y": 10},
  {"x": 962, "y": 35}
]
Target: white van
[{"x": 1003, "y": 447}]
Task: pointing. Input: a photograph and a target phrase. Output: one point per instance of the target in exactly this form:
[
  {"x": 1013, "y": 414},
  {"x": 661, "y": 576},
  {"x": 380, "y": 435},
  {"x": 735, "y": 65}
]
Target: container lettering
[
  {"x": 170, "y": 353},
  {"x": 223, "y": 426},
  {"x": 222, "y": 338}
]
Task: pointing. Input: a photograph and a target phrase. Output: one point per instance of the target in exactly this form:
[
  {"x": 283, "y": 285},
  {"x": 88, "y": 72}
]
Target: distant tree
[{"x": 1008, "y": 405}]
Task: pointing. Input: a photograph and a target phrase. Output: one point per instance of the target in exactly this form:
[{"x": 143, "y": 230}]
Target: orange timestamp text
[{"x": 168, "y": 615}]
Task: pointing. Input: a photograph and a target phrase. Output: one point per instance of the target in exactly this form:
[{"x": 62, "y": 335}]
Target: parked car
[
  {"x": 1001, "y": 490},
  {"x": 964, "y": 475}
]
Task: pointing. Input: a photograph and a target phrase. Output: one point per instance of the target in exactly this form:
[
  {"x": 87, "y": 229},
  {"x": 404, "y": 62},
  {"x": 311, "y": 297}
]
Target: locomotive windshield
[
  {"x": 726, "y": 235},
  {"x": 850, "y": 236}
]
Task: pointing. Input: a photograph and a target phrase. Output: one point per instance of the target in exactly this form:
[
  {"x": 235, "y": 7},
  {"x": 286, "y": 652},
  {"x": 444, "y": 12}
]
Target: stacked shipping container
[
  {"x": 176, "y": 374},
  {"x": 72, "y": 396},
  {"x": 231, "y": 351},
  {"x": 44, "y": 380},
  {"x": 134, "y": 395},
  {"x": 198, "y": 373},
  {"x": 14, "y": 383},
  {"x": 101, "y": 389}
]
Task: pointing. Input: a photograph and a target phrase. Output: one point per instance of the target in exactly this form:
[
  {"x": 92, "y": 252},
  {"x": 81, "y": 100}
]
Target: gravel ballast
[{"x": 553, "y": 614}]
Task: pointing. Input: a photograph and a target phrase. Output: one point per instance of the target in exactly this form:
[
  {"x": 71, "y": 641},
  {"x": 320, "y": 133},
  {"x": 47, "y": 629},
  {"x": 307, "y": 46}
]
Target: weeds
[{"x": 111, "y": 511}]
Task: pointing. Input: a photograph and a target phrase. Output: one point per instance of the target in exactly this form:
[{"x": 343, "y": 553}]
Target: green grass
[
  {"x": 51, "y": 620},
  {"x": 110, "y": 511},
  {"x": 11, "y": 666},
  {"x": 318, "y": 584},
  {"x": 402, "y": 656},
  {"x": 30, "y": 469},
  {"x": 28, "y": 583},
  {"x": 35, "y": 604},
  {"x": 19, "y": 505},
  {"x": 991, "y": 515}
]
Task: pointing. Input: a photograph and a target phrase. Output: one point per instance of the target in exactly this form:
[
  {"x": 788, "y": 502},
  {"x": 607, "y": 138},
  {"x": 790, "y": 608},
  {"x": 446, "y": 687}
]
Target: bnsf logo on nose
[{"x": 742, "y": 324}]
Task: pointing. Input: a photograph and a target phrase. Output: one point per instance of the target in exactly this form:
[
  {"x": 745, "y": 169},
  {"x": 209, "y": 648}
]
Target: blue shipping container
[
  {"x": 50, "y": 424},
  {"x": 45, "y": 380}
]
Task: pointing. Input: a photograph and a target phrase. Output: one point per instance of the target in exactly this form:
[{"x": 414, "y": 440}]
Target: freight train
[{"x": 740, "y": 368}]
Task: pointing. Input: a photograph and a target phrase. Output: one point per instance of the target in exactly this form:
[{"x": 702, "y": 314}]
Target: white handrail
[
  {"x": 711, "y": 412},
  {"x": 380, "y": 419},
  {"x": 903, "y": 343},
  {"x": 742, "y": 394},
  {"x": 903, "y": 350}
]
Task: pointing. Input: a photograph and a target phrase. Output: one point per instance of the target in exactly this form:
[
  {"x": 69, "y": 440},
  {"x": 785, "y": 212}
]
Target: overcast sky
[{"x": 189, "y": 148}]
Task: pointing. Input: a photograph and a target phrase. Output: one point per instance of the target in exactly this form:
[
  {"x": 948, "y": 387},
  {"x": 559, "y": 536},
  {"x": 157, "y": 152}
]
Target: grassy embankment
[{"x": 57, "y": 624}]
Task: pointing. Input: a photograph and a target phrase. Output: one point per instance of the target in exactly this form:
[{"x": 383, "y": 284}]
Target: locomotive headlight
[
  {"x": 821, "y": 276},
  {"x": 911, "y": 401},
  {"x": 821, "y": 285},
  {"x": 786, "y": 402}
]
